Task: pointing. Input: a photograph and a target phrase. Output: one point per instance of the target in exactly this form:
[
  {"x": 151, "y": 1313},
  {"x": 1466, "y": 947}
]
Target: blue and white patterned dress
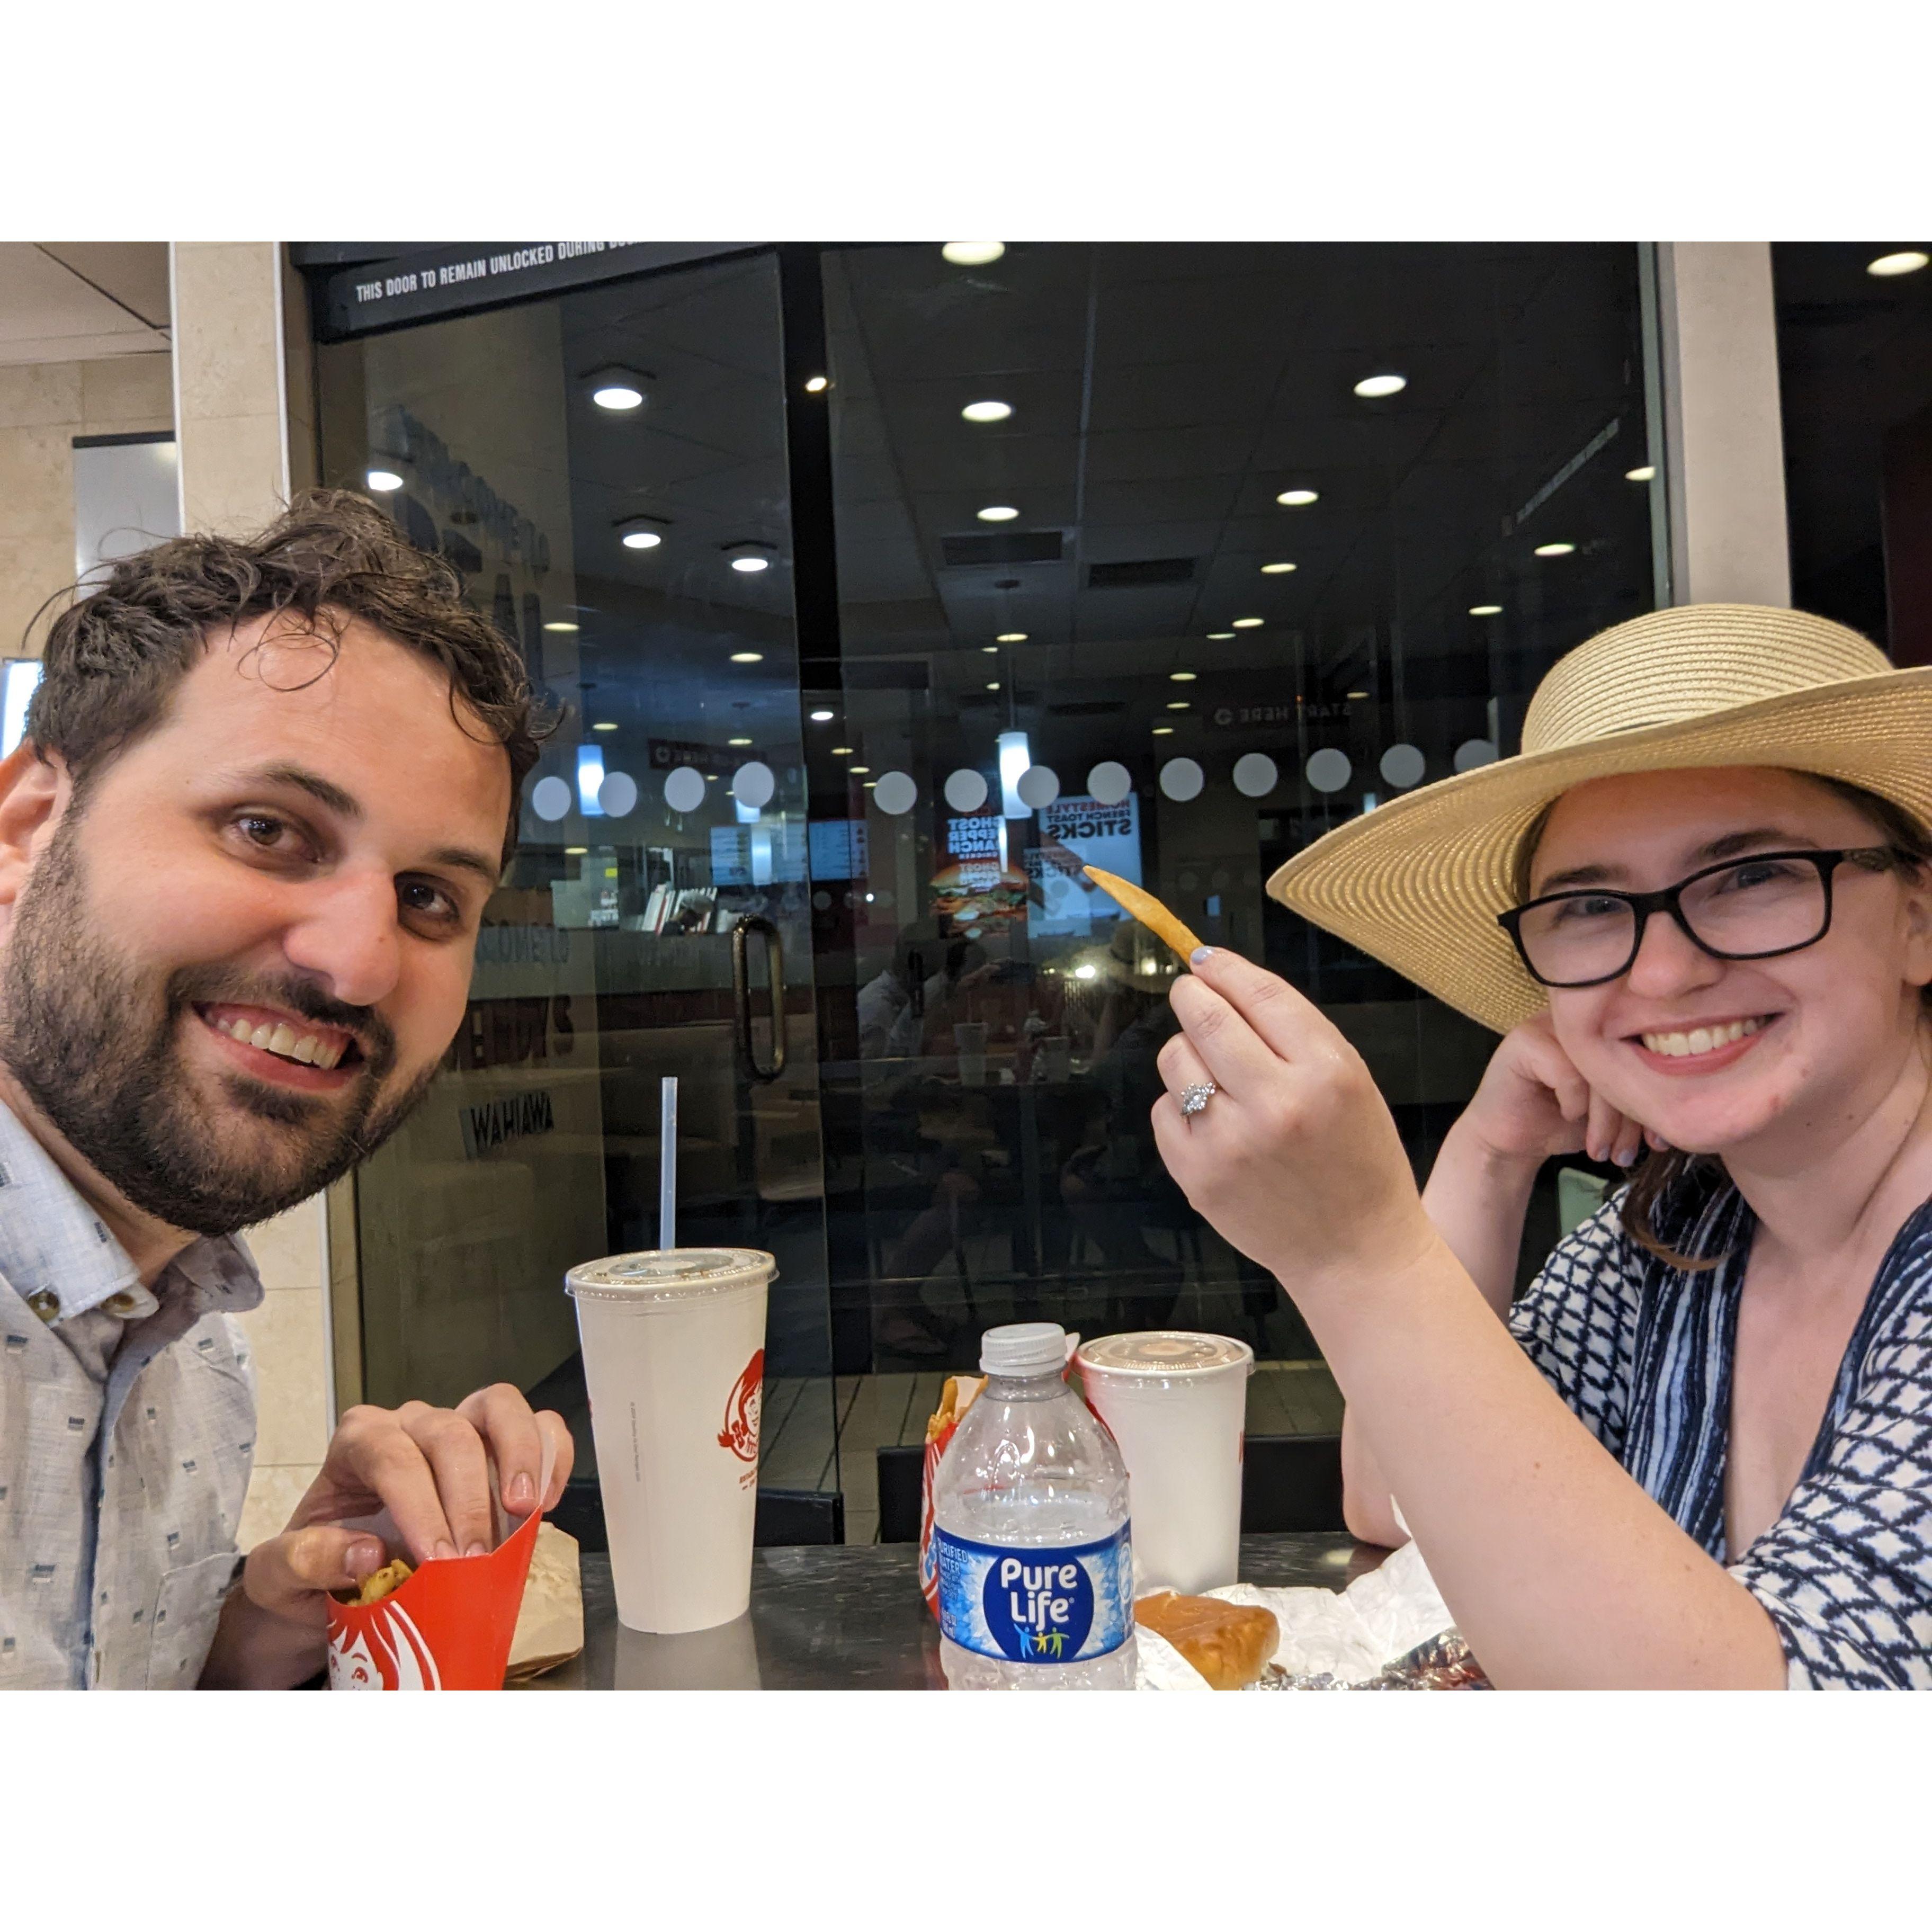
[{"x": 1641, "y": 1351}]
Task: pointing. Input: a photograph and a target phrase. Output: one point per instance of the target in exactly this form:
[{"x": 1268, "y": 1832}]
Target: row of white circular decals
[{"x": 1255, "y": 776}]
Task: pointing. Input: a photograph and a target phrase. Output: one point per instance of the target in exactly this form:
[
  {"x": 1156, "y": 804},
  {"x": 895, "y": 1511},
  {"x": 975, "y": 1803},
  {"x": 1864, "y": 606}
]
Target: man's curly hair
[{"x": 114, "y": 658}]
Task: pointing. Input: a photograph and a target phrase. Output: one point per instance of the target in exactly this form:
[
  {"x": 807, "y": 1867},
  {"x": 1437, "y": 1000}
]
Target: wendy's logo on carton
[
  {"x": 740, "y": 1432},
  {"x": 383, "y": 1651}
]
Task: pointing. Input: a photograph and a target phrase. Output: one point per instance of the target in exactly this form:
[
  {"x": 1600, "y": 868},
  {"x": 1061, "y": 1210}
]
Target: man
[{"x": 266, "y": 790}]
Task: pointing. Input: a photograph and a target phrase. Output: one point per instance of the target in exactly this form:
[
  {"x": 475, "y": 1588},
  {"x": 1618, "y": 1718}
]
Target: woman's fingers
[{"x": 1181, "y": 1066}]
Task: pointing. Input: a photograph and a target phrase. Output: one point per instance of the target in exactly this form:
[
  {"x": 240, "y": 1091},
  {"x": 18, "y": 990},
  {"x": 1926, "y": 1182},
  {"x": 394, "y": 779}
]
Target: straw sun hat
[{"x": 1417, "y": 883}]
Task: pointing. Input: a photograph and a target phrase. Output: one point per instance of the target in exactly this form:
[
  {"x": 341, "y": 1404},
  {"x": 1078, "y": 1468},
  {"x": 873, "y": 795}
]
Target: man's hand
[{"x": 429, "y": 1468}]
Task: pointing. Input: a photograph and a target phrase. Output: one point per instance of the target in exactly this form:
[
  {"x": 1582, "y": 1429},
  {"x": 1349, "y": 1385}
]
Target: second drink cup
[
  {"x": 674, "y": 1359},
  {"x": 1177, "y": 1404}
]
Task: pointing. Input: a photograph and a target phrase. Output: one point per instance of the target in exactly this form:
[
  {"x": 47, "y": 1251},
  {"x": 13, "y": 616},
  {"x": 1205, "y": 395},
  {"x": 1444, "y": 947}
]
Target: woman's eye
[
  {"x": 1589, "y": 908},
  {"x": 1760, "y": 872}
]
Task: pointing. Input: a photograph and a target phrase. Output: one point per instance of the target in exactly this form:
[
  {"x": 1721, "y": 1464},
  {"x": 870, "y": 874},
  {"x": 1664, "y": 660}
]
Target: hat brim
[{"x": 1418, "y": 882}]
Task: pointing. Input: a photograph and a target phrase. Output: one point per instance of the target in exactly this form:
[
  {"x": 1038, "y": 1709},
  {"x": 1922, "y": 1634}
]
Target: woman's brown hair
[{"x": 1659, "y": 1173}]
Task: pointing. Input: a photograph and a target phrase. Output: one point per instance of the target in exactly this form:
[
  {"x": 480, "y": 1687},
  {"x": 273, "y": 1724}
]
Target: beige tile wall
[
  {"x": 228, "y": 315},
  {"x": 44, "y": 406}
]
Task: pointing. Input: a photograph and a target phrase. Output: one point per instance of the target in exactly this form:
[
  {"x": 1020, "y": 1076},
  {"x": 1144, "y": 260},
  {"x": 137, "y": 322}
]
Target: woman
[{"x": 1698, "y": 1451}]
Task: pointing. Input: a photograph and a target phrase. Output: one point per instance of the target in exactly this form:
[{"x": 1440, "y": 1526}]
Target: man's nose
[
  {"x": 345, "y": 935},
  {"x": 1669, "y": 962}
]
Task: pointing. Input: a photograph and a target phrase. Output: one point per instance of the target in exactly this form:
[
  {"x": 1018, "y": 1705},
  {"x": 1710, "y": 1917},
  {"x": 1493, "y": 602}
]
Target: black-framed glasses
[{"x": 1751, "y": 908}]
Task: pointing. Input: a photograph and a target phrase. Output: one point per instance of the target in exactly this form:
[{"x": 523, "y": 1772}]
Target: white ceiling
[{"x": 72, "y": 301}]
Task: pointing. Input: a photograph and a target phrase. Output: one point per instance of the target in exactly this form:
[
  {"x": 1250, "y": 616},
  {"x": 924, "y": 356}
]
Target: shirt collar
[{"x": 51, "y": 1243}]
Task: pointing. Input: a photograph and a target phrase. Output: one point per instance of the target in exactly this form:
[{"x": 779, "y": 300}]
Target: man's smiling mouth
[
  {"x": 1697, "y": 1040},
  {"x": 287, "y": 1036}
]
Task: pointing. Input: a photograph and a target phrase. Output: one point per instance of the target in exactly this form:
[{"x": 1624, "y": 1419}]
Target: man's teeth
[
  {"x": 1699, "y": 1039},
  {"x": 282, "y": 1039}
]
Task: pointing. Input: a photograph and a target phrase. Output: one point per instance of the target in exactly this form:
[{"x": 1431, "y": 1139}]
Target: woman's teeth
[
  {"x": 1699, "y": 1039},
  {"x": 282, "y": 1039}
]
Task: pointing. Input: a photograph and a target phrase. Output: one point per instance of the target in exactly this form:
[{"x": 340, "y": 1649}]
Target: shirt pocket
[{"x": 186, "y": 1607}]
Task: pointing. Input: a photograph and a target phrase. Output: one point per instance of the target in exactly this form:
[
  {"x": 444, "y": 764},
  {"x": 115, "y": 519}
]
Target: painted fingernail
[
  {"x": 1200, "y": 953},
  {"x": 444, "y": 1550},
  {"x": 522, "y": 1493},
  {"x": 363, "y": 1557},
  {"x": 1626, "y": 1156}
]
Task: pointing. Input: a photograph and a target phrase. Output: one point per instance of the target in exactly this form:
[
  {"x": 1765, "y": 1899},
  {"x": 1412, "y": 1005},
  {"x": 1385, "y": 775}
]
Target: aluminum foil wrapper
[{"x": 1443, "y": 1662}]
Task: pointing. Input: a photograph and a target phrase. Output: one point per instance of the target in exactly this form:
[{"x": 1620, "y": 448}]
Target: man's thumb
[{"x": 300, "y": 1562}]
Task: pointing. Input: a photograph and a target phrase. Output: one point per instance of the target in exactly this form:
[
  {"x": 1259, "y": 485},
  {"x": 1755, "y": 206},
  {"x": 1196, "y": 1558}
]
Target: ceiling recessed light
[
  {"x": 748, "y": 657},
  {"x": 1486, "y": 610},
  {"x": 560, "y": 625},
  {"x": 1358, "y": 693},
  {"x": 604, "y": 724},
  {"x": 1298, "y": 499},
  {"x": 1013, "y": 637},
  {"x": 1179, "y": 704},
  {"x": 1163, "y": 731},
  {"x": 858, "y": 771},
  {"x": 992, "y": 650},
  {"x": 1249, "y": 623},
  {"x": 998, "y": 513},
  {"x": 1276, "y": 569},
  {"x": 750, "y": 565},
  {"x": 973, "y": 254},
  {"x": 1642, "y": 473},
  {"x": 1372, "y": 386},
  {"x": 737, "y": 741},
  {"x": 384, "y": 480},
  {"x": 640, "y": 533},
  {"x": 816, "y": 386},
  {"x": 843, "y": 751},
  {"x": 710, "y": 777},
  {"x": 1218, "y": 637},
  {"x": 577, "y": 851},
  {"x": 871, "y": 785},
  {"x": 618, "y": 397},
  {"x": 1907, "y": 261},
  {"x": 821, "y": 718},
  {"x": 1555, "y": 549},
  {"x": 988, "y": 411},
  {"x": 994, "y": 686},
  {"x": 1180, "y": 677}
]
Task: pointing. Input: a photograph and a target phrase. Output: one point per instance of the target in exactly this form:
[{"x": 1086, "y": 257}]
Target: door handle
[{"x": 741, "y": 992}]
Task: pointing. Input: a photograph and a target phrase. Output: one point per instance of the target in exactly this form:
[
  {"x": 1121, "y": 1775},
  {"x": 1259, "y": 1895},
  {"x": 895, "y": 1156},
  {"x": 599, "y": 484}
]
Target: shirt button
[{"x": 45, "y": 1303}]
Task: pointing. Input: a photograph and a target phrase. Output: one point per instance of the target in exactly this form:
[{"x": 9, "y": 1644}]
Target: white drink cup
[
  {"x": 674, "y": 1359},
  {"x": 1177, "y": 1404}
]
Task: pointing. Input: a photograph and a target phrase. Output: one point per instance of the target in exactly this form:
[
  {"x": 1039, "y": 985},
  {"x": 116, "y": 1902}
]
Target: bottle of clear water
[{"x": 1029, "y": 1531}]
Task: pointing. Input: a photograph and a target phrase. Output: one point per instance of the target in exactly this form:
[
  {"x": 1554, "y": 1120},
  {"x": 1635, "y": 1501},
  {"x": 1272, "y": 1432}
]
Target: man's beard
[{"x": 96, "y": 1046}]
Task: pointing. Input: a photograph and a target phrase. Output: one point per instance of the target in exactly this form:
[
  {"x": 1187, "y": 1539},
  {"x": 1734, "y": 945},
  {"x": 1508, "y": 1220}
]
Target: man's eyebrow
[
  {"x": 345, "y": 805},
  {"x": 1755, "y": 838}
]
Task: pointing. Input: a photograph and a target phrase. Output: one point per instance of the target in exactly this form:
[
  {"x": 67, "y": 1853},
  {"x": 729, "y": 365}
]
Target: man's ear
[{"x": 33, "y": 792}]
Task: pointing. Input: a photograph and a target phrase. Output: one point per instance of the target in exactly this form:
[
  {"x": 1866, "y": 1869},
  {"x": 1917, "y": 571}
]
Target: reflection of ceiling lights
[
  {"x": 750, "y": 565},
  {"x": 749, "y": 555},
  {"x": 816, "y": 386},
  {"x": 1248, "y": 623},
  {"x": 1555, "y": 549},
  {"x": 1276, "y": 569},
  {"x": 1372, "y": 386},
  {"x": 1180, "y": 677},
  {"x": 1642, "y": 473},
  {"x": 821, "y": 718},
  {"x": 843, "y": 751},
  {"x": 973, "y": 254},
  {"x": 1218, "y": 637},
  {"x": 619, "y": 391},
  {"x": 1163, "y": 731},
  {"x": 1907, "y": 261},
  {"x": 560, "y": 624},
  {"x": 994, "y": 686},
  {"x": 992, "y": 650},
  {"x": 1297, "y": 499},
  {"x": 1358, "y": 694},
  {"x": 748, "y": 657},
  {"x": 577, "y": 851},
  {"x": 987, "y": 412},
  {"x": 737, "y": 741},
  {"x": 1180, "y": 704},
  {"x": 1012, "y": 638},
  {"x": 604, "y": 724},
  {"x": 858, "y": 771},
  {"x": 640, "y": 533},
  {"x": 384, "y": 480},
  {"x": 1486, "y": 610},
  {"x": 998, "y": 513}
]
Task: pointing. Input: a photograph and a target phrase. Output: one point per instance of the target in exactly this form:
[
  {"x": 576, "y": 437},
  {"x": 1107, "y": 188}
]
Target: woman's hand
[
  {"x": 1295, "y": 1159},
  {"x": 1532, "y": 1103}
]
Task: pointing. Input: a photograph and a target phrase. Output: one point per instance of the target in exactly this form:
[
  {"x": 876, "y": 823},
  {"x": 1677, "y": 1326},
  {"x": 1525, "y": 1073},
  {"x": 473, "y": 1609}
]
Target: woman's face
[{"x": 1825, "y": 1031}]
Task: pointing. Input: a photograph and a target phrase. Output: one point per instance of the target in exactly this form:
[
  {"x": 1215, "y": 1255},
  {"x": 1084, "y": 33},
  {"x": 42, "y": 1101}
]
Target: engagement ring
[{"x": 1194, "y": 1099}]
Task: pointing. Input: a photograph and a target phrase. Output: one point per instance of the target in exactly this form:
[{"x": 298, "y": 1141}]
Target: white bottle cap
[{"x": 1024, "y": 1349}]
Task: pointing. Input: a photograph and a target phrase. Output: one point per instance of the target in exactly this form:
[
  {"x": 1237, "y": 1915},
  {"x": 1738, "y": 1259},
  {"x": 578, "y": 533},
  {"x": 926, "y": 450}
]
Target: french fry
[
  {"x": 1148, "y": 909},
  {"x": 390, "y": 1576}
]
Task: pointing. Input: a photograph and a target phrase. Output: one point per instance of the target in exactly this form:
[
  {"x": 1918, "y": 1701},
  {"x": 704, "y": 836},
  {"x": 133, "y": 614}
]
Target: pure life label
[{"x": 1036, "y": 1606}]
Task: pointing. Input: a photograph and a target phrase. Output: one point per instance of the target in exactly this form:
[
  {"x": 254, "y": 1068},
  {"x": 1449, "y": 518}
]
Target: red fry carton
[{"x": 448, "y": 1628}]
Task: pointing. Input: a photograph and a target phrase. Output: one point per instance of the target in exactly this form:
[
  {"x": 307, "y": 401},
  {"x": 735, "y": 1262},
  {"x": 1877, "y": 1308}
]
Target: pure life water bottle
[{"x": 1030, "y": 1529}]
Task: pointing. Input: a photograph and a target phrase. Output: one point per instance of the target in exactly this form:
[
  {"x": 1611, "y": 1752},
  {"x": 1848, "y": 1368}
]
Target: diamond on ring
[{"x": 1194, "y": 1099}]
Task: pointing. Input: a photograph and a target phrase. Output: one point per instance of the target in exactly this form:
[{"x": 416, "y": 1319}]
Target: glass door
[{"x": 608, "y": 467}]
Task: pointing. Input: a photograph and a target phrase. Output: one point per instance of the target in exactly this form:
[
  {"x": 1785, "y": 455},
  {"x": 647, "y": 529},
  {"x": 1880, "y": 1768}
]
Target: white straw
[{"x": 667, "y": 1164}]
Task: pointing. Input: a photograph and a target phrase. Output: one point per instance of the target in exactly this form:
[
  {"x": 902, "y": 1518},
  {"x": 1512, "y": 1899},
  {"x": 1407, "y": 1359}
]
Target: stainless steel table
[{"x": 849, "y": 1618}]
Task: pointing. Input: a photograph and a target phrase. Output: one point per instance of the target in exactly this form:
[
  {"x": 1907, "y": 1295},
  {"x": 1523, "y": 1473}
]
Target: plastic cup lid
[
  {"x": 663, "y": 1275},
  {"x": 1165, "y": 1352}
]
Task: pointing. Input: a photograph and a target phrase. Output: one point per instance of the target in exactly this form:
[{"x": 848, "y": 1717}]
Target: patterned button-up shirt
[
  {"x": 1642, "y": 1351},
  {"x": 126, "y": 1434}
]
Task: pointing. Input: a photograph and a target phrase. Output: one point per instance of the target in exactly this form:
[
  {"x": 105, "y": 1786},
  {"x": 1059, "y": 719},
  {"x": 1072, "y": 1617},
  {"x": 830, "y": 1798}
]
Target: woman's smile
[{"x": 1701, "y": 1046}]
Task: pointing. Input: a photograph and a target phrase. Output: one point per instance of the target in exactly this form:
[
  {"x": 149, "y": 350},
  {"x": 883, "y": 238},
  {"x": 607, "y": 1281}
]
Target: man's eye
[
  {"x": 259, "y": 829},
  {"x": 431, "y": 901}
]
